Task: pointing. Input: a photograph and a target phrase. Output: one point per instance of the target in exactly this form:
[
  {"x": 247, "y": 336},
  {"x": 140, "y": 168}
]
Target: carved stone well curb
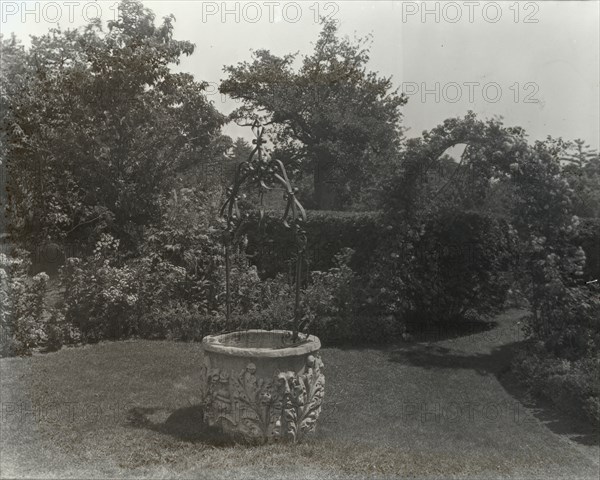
[{"x": 259, "y": 387}]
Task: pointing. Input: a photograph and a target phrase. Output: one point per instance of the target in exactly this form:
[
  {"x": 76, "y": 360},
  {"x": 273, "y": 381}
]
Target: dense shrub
[
  {"x": 271, "y": 246},
  {"x": 331, "y": 306},
  {"x": 589, "y": 239},
  {"x": 31, "y": 313},
  {"x": 325, "y": 300},
  {"x": 26, "y": 321},
  {"x": 566, "y": 320},
  {"x": 12, "y": 284},
  {"x": 176, "y": 287},
  {"x": 138, "y": 298},
  {"x": 104, "y": 300},
  {"x": 177, "y": 320},
  {"x": 339, "y": 307},
  {"x": 572, "y": 385},
  {"x": 100, "y": 297},
  {"x": 560, "y": 361},
  {"x": 177, "y": 275},
  {"x": 456, "y": 264}
]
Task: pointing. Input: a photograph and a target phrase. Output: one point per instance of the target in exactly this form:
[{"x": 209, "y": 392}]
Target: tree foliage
[
  {"x": 97, "y": 125},
  {"x": 582, "y": 170},
  {"x": 331, "y": 116},
  {"x": 540, "y": 210}
]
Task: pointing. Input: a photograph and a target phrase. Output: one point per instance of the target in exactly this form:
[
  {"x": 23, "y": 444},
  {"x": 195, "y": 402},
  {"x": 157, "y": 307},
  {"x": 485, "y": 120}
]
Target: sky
[{"x": 535, "y": 64}]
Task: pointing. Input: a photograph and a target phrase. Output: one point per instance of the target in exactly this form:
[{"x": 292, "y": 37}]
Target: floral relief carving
[{"x": 284, "y": 407}]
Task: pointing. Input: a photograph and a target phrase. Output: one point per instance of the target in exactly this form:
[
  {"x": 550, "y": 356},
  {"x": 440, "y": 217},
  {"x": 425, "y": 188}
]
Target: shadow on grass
[
  {"x": 437, "y": 332},
  {"x": 184, "y": 424},
  {"x": 497, "y": 363},
  {"x": 417, "y": 331},
  {"x": 434, "y": 356},
  {"x": 559, "y": 422}
]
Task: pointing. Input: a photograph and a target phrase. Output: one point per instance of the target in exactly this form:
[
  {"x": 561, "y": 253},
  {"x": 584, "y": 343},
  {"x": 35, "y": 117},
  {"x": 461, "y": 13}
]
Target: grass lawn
[{"x": 433, "y": 408}]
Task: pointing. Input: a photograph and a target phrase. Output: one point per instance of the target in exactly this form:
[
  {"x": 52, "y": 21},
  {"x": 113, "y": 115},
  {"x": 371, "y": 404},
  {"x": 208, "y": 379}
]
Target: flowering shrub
[
  {"x": 178, "y": 320},
  {"x": 174, "y": 288},
  {"x": 331, "y": 306},
  {"x": 100, "y": 298},
  {"x": 331, "y": 300},
  {"x": 12, "y": 285},
  {"x": 31, "y": 313},
  {"x": 23, "y": 311},
  {"x": 567, "y": 317},
  {"x": 156, "y": 299},
  {"x": 273, "y": 307},
  {"x": 572, "y": 385},
  {"x": 106, "y": 297}
]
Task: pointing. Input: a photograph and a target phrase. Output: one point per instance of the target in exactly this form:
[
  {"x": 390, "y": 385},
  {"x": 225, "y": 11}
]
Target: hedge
[{"x": 272, "y": 249}]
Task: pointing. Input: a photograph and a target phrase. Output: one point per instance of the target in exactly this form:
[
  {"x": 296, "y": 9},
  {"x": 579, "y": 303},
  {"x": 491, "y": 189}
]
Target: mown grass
[{"x": 428, "y": 409}]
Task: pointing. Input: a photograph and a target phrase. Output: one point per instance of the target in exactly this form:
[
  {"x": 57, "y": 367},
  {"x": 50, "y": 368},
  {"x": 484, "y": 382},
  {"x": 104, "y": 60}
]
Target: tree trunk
[{"x": 325, "y": 186}]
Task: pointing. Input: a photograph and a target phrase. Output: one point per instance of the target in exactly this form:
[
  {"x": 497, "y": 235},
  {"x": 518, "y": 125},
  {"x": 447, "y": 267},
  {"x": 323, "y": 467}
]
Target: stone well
[{"x": 259, "y": 386}]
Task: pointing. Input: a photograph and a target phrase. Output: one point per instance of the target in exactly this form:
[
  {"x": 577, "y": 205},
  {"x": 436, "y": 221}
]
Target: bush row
[
  {"x": 104, "y": 299},
  {"x": 174, "y": 287},
  {"x": 364, "y": 282},
  {"x": 271, "y": 247},
  {"x": 272, "y": 250}
]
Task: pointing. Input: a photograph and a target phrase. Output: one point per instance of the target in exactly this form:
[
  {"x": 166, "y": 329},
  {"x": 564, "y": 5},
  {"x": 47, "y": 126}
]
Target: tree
[
  {"x": 331, "y": 117},
  {"x": 240, "y": 151},
  {"x": 12, "y": 69},
  {"x": 99, "y": 126},
  {"x": 213, "y": 169},
  {"x": 582, "y": 170}
]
